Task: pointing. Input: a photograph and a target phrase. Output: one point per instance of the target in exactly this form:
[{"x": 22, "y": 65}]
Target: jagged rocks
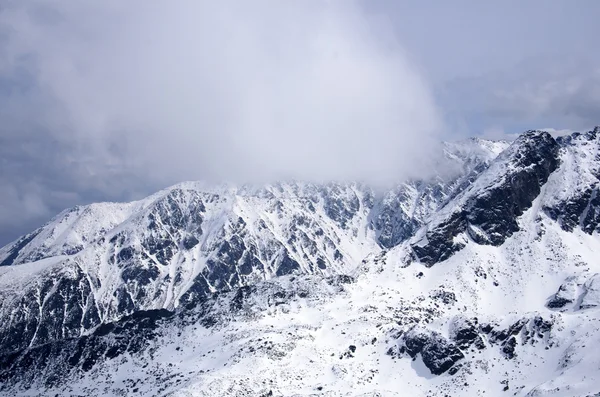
[
  {"x": 524, "y": 331},
  {"x": 533, "y": 158},
  {"x": 58, "y": 306},
  {"x": 441, "y": 354},
  {"x": 58, "y": 359},
  {"x": 508, "y": 347},
  {"x": 403, "y": 210},
  {"x": 438, "y": 353},
  {"x": 577, "y": 202},
  {"x": 465, "y": 334},
  {"x": 439, "y": 244},
  {"x": 341, "y": 204},
  {"x": 393, "y": 222},
  {"x": 567, "y": 294},
  {"x": 488, "y": 210},
  {"x": 577, "y": 293}
]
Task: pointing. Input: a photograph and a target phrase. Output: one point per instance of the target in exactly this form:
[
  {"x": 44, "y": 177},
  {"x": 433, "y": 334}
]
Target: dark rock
[
  {"x": 465, "y": 334},
  {"x": 508, "y": 347},
  {"x": 582, "y": 208},
  {"x": 56, "y": 313},
  {"x": 438, "y": 353},
  {"x": 286, "y": 265},
  {"x": 53, "y": 361},
  {"x": 489, "y": 216},
  {"x": 340, "y": 205},
  {"x": 321, "y": 263},
  {"x": 140, "y": 275},
  {"x": 189, "y": 242}
]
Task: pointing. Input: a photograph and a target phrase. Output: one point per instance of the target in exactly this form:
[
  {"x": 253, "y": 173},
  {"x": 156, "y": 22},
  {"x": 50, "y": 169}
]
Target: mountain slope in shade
[{"x": 481, "y": 281}]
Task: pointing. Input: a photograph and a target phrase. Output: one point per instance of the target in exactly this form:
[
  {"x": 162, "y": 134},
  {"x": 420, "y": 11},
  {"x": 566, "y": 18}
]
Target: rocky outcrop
[
  {"x": 577, "y": 293},
  {"x": 438, "y": 353},
  {"x": 442, "y": 354},
  {"x": 522, "y": 332},
  {"x": 466, "y": 334},
  {"x": 577, "y": 201},
  {"x": 487, "y": 211}
]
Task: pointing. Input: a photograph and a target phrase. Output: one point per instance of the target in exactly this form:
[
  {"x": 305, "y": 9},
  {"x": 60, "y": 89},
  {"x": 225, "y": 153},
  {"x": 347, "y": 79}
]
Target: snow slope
[{"x": 294, "y": 335}]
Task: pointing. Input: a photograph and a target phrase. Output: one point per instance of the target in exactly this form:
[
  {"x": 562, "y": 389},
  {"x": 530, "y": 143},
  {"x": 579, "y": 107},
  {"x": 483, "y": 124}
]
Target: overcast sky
[{"x": 114, "y": 100}]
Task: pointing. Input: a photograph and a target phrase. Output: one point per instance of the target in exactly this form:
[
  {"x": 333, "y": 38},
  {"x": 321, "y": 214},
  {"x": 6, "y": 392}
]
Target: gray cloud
[
  {"x": 114, "y": 100},
  {"x": 199, "y": 90},
  {"x": 539, "y": 92},
  {"x": 466, "y": 38},
  {"x": 102, "y": 98},
  {"x": 505, "y": 65}
]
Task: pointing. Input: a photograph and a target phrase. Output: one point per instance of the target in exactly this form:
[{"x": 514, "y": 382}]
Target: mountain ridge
[{"x": 515, "y": 212}]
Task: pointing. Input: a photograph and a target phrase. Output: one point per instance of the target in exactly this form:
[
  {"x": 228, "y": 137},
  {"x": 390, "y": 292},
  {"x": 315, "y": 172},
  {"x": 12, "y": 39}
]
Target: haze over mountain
[{"x": 114, "y": 100}]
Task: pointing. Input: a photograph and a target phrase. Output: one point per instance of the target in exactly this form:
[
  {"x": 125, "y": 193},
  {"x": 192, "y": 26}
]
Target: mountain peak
[{"x": 330, "y": 271}]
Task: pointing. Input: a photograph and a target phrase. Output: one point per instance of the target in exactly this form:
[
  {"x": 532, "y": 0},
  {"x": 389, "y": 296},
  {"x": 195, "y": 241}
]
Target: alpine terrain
[{"x": 481, "y": 280}]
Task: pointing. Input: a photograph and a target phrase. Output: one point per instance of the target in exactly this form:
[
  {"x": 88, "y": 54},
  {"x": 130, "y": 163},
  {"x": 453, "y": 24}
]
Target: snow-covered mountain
[{"x": 482, "y": 279}]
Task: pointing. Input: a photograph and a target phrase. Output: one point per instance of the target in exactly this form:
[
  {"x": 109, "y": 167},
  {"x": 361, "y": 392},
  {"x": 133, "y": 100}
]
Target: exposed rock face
[
  {"x": 438, "y": 353},
  {"x": 58, "y": 306},
  {"x": 64, "y": 356},
  {"x": 524, "y": 331},
  {"x": 577, "y": 203},
  {"x": 465, "y": 334},
  {"x": 577, "y": 293},
  {"x": 444, "y": 354},
  {"x": 137, "y": 333},
  {"x": 487, "y": 211},
  {"x": 405, "y": 209}
]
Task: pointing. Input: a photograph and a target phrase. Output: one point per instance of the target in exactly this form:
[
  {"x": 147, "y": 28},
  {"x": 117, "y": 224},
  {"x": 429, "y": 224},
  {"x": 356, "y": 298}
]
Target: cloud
[
  {"x": 112, "y": 100},
  {"x": 510, "y": 65},
  {"x": 538, "y": 92},
  {"x": 199, "y": 90}
]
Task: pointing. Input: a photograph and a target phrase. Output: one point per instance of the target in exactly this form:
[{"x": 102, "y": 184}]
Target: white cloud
[
  {"x": 111, "y": 100},
  {"x": 205, "y": 90}
]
